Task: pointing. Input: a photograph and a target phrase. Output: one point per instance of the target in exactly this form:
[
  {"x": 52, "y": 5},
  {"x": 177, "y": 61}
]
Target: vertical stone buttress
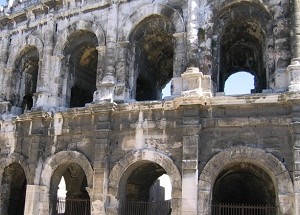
[
  {"x": 107, "y": 84},
  {"x": 277, "y": 62},
  {"x": 43, "y": 98},
  {"x": 121, "y": 90},
  {"x": 103, "y": 130},
  {"x": 4, "y": 74},
  {"x": 190, "y": 161},
  {"x": 100, "y": 68},
  {"x": 4, "y": 45},
  {"x": 294, "y": 68}
]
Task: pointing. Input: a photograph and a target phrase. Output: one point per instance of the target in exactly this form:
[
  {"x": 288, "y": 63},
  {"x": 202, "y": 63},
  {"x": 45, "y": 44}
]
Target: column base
[
  {"x": 105, "y": 90},
  {"x": 44, "y": 101},
  {"x": 294, "y": 75},
  {"x": 192, "y": 83},
  {"x": 121, "y": 93}
]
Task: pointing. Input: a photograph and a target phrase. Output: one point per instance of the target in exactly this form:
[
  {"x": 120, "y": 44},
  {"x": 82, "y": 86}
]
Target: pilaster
[
  {"x": 190, "y": 161},
  {"x": 121, "y": 93},
  {"x": 294, "y": 68},
  {"x": 44, "y": 98},
  {"x": 296, "y": 150},
  {"x": 36, "y": 200},
  {"x": 107, "y": 83},
  {"x": 294, "y": 75},
  {"x": 98, "y": 194},
  {"x": 4, "y": 46},
  {"x": 192, "y": 33},
  {"x": 180, "y": 62}
]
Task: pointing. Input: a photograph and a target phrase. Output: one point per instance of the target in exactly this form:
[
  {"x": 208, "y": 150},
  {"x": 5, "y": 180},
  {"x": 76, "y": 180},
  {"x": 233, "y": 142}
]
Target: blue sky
[
  {"x": 2, "y": 2},
  {"x": 238, "y": 83}
]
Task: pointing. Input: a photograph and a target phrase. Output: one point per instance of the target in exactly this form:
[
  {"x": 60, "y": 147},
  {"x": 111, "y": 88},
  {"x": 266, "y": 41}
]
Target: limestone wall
[{"x": 81, "y": 98}]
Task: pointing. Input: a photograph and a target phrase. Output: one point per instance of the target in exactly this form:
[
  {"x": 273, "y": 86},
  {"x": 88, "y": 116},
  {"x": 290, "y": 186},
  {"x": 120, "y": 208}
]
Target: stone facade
[{"x": 81, "y": 98}]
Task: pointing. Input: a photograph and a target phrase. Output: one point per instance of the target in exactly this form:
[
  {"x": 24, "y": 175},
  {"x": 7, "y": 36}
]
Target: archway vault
[
  {"x": 75, "y": 27},
  {"x": 262, "y": 159},
  {"x": 16, "y": 158},
  {"x": 150, "y": 10},
  {"x": 133, "y": 157},
  {"x": 19, "y": 45},
  {"x": 53, "y": 162}
]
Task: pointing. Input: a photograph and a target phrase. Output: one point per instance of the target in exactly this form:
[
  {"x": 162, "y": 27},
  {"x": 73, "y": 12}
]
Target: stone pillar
[
  {"x": 4, "y": 46},
  {"x": 179, "y": 63},
  {"x": 36, "y": 195},
  {"x": 121, "y": 93},
  {"x": 278, "y": 50},
  {"x": 43, "y": 98},
  {"x": 98, "y": 196},
  {"x": 100, "y": 68},
  {"x": 192, "y": 33},
  {"x": 190, "y": 161},
  {"x": 107, "y": 83},
  {"x": 193, "y": 82},
  {"x": 296, "y": 150},
  {"x": 294, "y": 68},
  {"x": 101, "y": 171},
  {"x": 5, "y": 106},
  {"x": 296, "y": 29}
]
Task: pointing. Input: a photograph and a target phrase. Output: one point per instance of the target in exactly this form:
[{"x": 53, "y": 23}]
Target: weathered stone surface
[{"x": 81, "y": 99}]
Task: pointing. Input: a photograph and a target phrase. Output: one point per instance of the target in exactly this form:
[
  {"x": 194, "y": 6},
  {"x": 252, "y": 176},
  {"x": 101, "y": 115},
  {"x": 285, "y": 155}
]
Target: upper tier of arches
[{"x": 151, "y": 45}]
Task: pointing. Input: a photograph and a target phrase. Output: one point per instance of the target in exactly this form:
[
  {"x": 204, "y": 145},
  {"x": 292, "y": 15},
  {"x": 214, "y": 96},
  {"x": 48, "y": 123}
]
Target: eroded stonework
[{"x": 81, "y": 99}]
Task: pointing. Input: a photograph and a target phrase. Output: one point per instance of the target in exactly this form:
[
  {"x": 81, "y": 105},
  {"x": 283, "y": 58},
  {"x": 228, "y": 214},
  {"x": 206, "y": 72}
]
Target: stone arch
[
  {"x": 132, "y": 158},
  {"x": 258, "y": 157},
  {"x": 226, "y": 4},
  {"x": 257, "y": 57},
  {"x": 149, "y": 10},
  {"x": 16, "y": 158},
  {"x": 51, "y": 164},
  {"x": 14, "y": 179},
  {"x": 76, "y": 26},
  {"x": 18, "y": 47}
]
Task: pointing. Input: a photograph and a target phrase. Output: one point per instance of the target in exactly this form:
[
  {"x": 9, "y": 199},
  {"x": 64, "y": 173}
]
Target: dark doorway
[
  {"x": 81, "y": 62},
  {"x": 142, "y": 191},
  {"x": 13, "y": 190},
  {"x": 152, "y": 50},
  {"x": 24, "y": 82},
  {"x": 244, "y": 185}
]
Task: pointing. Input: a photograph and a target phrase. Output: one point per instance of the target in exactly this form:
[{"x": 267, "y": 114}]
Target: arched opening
[
  {"x": 142, "y": 190},
  {"x": 239, "y": 83},
  {"x": 241, "y": 49},
  {"x": 244, "y": 187},
  {"x": 81, "y": 65},
  {"x": 24, "y": 79},
  {"x": 61, "y": 196},
  {"x": 13, "y": 190},
  {"x": 68, "y": 191},
  {"x": 243, "y": 34},
  {"x": 151, "y": 58}
]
